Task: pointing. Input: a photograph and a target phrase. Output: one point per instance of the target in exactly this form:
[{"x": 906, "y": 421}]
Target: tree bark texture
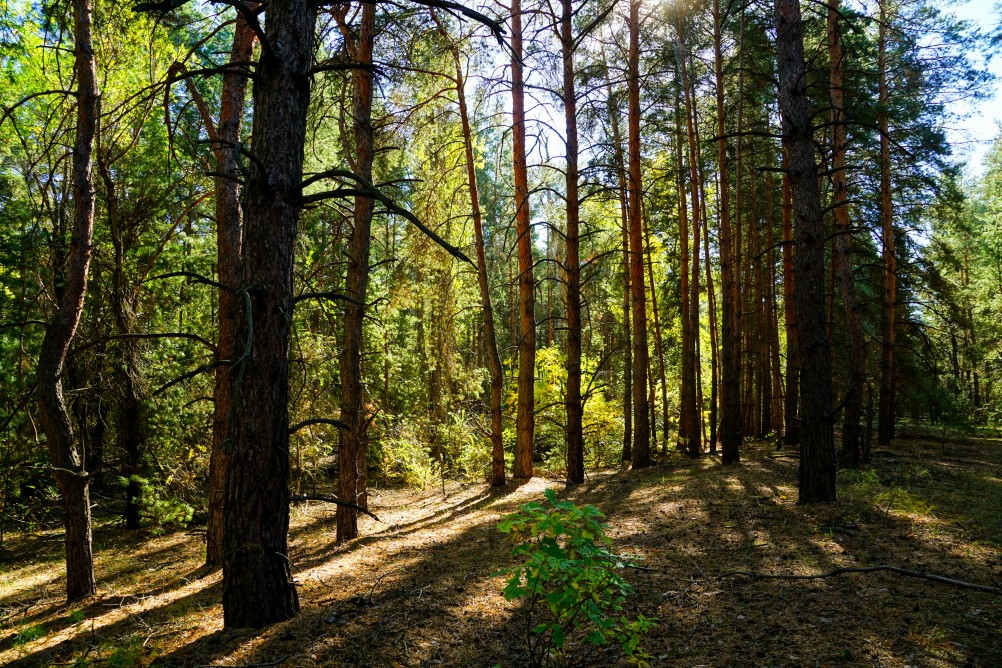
[
  {"x": 525, "y": 417},
  {"x": 791, "y": 399},
  {"x": 353, "y": 442},
  {"x": 730, "y": 355},
  {"x": 817, "y": 449},
  {"x": 690, "y": 324},
  {"x": 257, "y": 575},
  {"x": 229, "y": 224},
  {"x": 641, "y": 422},
  {"x": 65, "y": 454},
  {"x": 574, "y": 435}
]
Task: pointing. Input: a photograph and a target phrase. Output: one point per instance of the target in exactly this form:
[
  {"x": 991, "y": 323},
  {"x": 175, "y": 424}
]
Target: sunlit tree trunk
[
  {"x": 730, "y": 353},
  {"x": 572, "y": 400},
  {"x": 524, "y": 419},
  {"x": 229, "y": 223},
  {"x": 353, "y": 442},
  {"x": 641, "y": 423},
  {"x": 817, "y": 447},
  {"x": 490, "y": 338},
  {"x": 65, "y": 454}
]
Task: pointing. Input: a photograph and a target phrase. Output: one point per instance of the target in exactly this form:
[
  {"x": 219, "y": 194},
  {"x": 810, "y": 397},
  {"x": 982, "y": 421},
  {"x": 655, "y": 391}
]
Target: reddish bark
[
  {"x": 229, "y": 223},
  {"x": 525, "y": 418},
  {"x": 352, "y": 452},
  {"x": 641, "y": 427}
]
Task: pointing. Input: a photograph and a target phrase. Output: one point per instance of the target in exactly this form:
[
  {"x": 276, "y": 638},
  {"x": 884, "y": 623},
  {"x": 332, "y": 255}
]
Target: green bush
[{"x": 569, "y": 576}]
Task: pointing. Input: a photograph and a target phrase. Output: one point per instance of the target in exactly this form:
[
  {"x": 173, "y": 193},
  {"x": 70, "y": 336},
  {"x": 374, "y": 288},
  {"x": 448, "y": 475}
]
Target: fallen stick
[
  {"x": 868, "y": 569},
  {"x": 276, "y": 662},
  {"x": 296, "y": 498}
]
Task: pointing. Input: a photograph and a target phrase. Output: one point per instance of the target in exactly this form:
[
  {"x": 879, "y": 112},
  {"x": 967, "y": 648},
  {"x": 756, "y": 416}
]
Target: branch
[
  {"x": 306, "y": 423},
  {"x": 10, "y": 110},
  {"x": 154, "y": 335},
  {"x": 331, "y": 499},
  {"x": 191, "y": 374},
  {"x": 198, "y": 278},
  {"x": 868, "y": 569},
  {"x": 326, "y": 295},
  {"x": 6, "y": 325},
  {"x": 368, "y": 190}
]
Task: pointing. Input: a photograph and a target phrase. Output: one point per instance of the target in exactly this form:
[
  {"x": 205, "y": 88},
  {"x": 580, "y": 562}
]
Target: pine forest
[{"x": 500, "y": 333}]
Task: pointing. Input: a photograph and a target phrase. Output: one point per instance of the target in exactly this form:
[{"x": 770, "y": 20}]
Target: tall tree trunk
[
  {"x": 773, "y": 315},
  {"x": 493, "y": 358},
  {"x": 257, "y": 576},
  {"x": 658, "y": 339},
  {"x": 817, "y": 450},
  {"x": 575, "y": 438},
  {"x": 791, "y": 399},
  {"x": 842, "y": 257},
  {"x": 620, "y": 164},
  {"x": 525, "y": 418},
  {"x": 886, "y": 408},
  {"x": 641, "y": 426},
  {"x": 687, "y": 390},
  {"x": 229, "y": 226},
  {"x": 353, "y": 445},
  {"x": 65, "y": 454},
  {"x": 694, "y": 407},
  {"x": 730, "y": 352}
]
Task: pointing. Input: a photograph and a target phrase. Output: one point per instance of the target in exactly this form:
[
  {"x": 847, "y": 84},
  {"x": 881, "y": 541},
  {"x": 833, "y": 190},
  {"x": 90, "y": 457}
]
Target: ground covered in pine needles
[{"x": 420, "y": 588}]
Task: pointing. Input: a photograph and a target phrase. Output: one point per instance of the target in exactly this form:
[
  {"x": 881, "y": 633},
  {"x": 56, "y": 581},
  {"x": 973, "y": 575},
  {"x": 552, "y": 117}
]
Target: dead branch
[
  {"x": 276, "y": 662},
  {"x": 296, "y": 498},
  {"x": 868, "y": 569}
]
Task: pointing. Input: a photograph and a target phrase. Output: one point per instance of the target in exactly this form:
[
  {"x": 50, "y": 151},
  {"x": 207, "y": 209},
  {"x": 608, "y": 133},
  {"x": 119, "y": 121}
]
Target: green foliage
[
  {"x": 569, "y": 570},
  {"x": 28, "y": 634},
  {"x": 159, "y": 507}
]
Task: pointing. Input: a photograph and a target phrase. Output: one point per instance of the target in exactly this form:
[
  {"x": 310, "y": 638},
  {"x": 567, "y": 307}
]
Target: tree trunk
[
  {"x": 574, "y": 435},
  {"x": 692, "y": 407},
  {"x": 352, "y": 451},
  {"x": 730, "y": 362},
  {"x": 658, "y": 340},
  {"x": 65, "y": 454},
  {"x": 842, "y": 257},
  {"x": 257, "y": 575},
  {"x": 490, "y": 339},
  {"x": 617, "y": 141},
  {"x": 525, "y": 418},
  {"x": 886, "y": 408},
  {"x": 791, "y": 400},
  {"x": 817, "y": 450},
  {"x": 641, "y": 426},
  {"x": 229, "y": 224}
]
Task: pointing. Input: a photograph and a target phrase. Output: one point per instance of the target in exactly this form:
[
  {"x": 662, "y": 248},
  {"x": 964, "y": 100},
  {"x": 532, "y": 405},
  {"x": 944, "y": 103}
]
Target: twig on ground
[
  {"x": 295, "y": 498},
  {"x": 867, "y": 569},
  {"x": 276, "y": 662}
]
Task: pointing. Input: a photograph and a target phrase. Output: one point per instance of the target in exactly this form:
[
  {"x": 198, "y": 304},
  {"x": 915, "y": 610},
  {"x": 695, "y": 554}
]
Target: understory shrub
[{"x": 569, "y": 577}]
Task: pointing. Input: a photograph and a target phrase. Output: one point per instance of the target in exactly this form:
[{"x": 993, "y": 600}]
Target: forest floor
[{"x": 420, "y": 588}]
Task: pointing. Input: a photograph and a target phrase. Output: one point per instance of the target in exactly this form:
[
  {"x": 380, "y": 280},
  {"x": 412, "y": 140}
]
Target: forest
[{"x": 433, "y": 332}]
